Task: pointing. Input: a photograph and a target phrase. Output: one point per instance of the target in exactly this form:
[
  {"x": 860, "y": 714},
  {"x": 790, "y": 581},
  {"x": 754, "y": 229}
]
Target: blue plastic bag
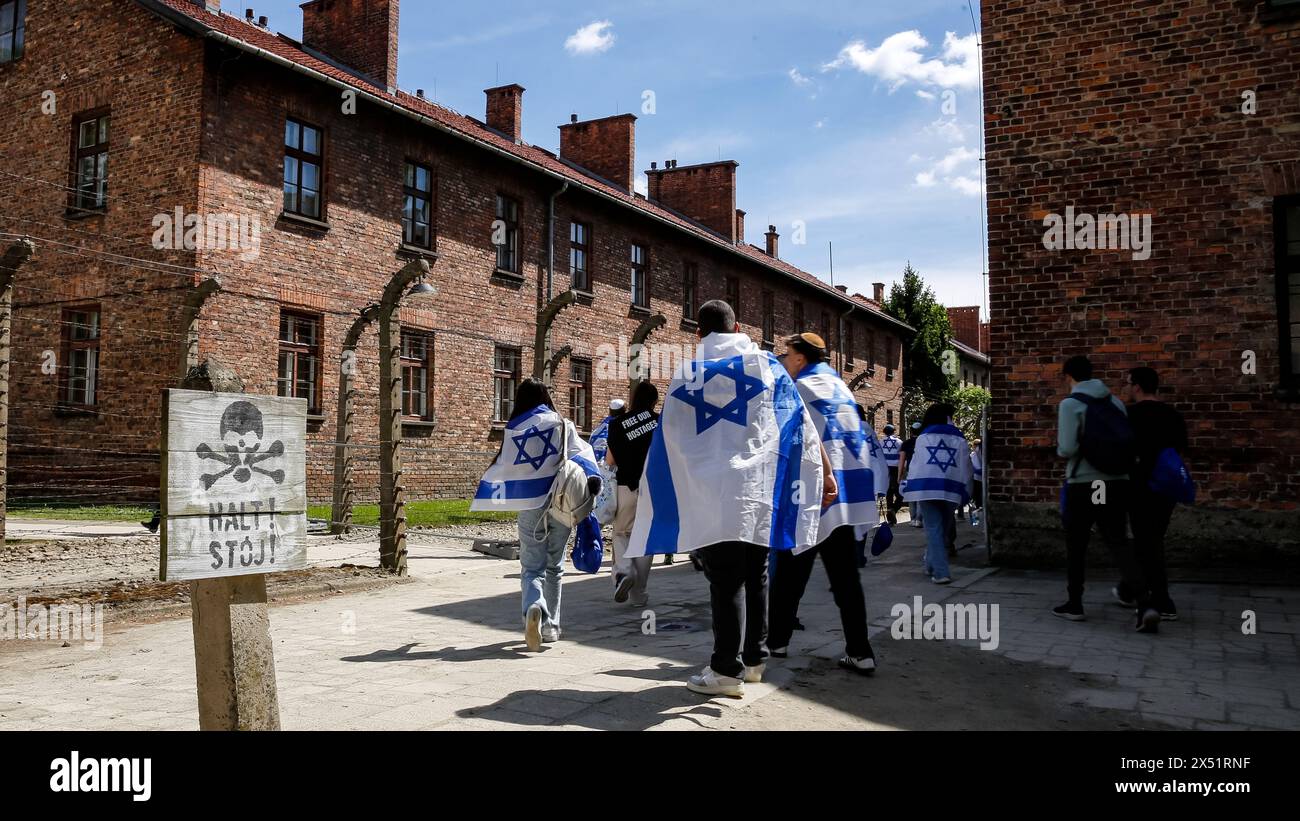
[
  {"x": 882, "y": 540},
  {"x": 1171, "y": 478},
  {"x": 588, "y": 546}
]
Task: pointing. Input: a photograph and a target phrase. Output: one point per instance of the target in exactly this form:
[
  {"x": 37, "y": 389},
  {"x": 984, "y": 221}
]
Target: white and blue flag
[
  {"x": 940, "y": 467},
  {"x": 857, "y": 459},
  {"x": 599, "y": 439},
  {"x": 736, "y": 457},
  {"x": 524, "y": 470},
  {"x": 891, "y": 445},
  {"x": 605, "y": 505}
]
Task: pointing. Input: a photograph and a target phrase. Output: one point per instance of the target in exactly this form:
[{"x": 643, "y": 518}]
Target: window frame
[
  {"x": 513, "y": 243},
  {"x": 18, "y": 34},
  {"x": 69, "y": 345},
  {"x": 690, "y": 291},
  {"x": 769, "y": 317},
  {"x": 731, "y": 293},
  {"x": 498, "y": 373},
  {"x": 580, "y": 283},
  {"x": 639, "y": 272},
  {"x": 1287, "y": 268},
  {"x": 316, "y": 351},
  {"x": 78, "y": 153},
  {"x": 409, "y": 363},
  {"x": 301, "y": 155},
  {"x": 414, "y": 192},
  {"x": 581, "y": 422}
]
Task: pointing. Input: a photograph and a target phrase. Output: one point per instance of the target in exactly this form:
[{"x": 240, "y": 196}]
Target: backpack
[
  {"x": 1107, "y": 441},
  {"x": 570, "y": 500},
  {"x": 1171, "y": 478}
]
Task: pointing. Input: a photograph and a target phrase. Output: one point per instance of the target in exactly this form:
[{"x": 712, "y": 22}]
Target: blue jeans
[
  {"x": 937, "y": 516},
  {"x": 541, "y": 556}
]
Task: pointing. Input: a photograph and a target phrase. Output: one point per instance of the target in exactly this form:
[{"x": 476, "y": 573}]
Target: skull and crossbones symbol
[{"x": 241, "y": 447}]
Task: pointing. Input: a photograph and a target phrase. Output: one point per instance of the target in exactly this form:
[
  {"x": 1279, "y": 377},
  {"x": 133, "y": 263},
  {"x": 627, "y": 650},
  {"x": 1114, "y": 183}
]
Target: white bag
[{"x": 570, "y": 501}]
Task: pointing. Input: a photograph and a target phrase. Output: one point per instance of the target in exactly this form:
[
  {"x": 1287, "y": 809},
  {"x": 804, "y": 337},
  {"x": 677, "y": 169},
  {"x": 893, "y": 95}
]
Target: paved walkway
[{"x": 444, "y": 650}]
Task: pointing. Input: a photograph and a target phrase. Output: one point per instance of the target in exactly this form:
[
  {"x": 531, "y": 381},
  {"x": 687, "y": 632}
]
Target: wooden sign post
[{"x": 234, "y": 508}]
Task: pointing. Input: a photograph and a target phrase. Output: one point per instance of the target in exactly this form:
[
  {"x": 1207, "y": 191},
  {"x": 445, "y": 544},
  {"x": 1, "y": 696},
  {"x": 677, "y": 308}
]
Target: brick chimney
[
  {"x": 773, "y": 242},
  {"x": 606, "y": 147},
  {"x": 966, "y": 325},
  {"x": 878, "y": 291},
  {"x": 360, "y": 34},
  {"x": 705, "y": 193},
  {"x": 740, "y": 227},
  {"x": 505, "y": 109}
]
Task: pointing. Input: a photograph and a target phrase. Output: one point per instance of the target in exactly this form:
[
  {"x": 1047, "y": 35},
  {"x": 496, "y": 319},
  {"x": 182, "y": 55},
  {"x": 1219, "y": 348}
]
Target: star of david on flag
[
  {"x": 948, "y": 458},
  {"x": 737, "y": 410},
  {"x": 830, "y": 410},
  {"x": 548, "y": 446}
]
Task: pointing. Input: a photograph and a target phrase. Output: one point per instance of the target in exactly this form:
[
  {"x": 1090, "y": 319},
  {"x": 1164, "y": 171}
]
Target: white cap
[
  {"x": 916, "y": 426},
  {"x": 616, "y": 404}
]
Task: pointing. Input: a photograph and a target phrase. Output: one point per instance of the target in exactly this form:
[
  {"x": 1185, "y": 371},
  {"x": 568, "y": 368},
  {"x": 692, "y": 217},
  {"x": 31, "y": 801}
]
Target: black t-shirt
[
  {"x": 1156, "y": 426},
  {"x": 629, "y": 441},
  {"x": 909, "y": 447}
]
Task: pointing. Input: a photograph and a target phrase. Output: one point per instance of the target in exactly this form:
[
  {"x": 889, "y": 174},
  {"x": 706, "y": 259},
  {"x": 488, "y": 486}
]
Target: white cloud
[
  {"x": 966, "y": 183},
  {"x": 970, "y": 186},
  {"x": 949, "y": 130},
  {"x": 798, "y": 78},
  {"x": 924, "y": 95},
  {"x": 899, "y": 61},
  {"x": 592, "y": 38}
]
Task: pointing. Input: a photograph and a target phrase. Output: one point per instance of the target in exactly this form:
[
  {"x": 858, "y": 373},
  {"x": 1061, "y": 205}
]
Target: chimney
[
  {"x": 212, "y": 6},
  {"x": 843, "y": 289},
  {"x": 606, "y": 147},
  {"x": 773, "y": 242},
  {"x": 505, "y": 110},
  {"x": 878, "y": 292},
  {"x": 705, "y": 193},
  {"x": 360, "y": 34},
  {"x": 740, "y": 227},
  {"x": 966, "y": 325}
]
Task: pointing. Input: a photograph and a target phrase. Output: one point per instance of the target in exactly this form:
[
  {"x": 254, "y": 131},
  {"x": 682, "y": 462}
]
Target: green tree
[
  {"x": 970, "y": 403},
  {"x": 913, "y": 302}
]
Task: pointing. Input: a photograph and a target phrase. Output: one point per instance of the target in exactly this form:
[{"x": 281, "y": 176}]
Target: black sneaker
[
  {"x": 1148, "y": 621},
  {"x": 668, "y": 558},
  {"x": 1121, "y": 596},
  {"x": 623, "y": 585},
  {"x": 152, "y": 524},
  {"x": 864, "y": 666},
  {"x": 1167, "y": 611},
  {"x": 1071, "y": 611}
]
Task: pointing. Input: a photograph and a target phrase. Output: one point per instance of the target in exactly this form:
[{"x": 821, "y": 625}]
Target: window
[
  {"x": 798, "y": 318},
  {"x": 303, "y": 159},
  {"x": 580, "y": 394},
  {"x": 417, "y": 370},
  {"x": 889, "y": 359},
  {"x": 80, "y": 356},
  {"x": 505, "y": 381},
  {"x": 769, "y": 317},
  {"x": 889, "y": 417},
  {"x": 300, "y": 358},
  {"x": 13, "y": 16},
  {"x": 90, "y": 162},
  {"x": 417, "y": 207},
  {"x": 733, "y": 295},
  {"x": 848, "y": 344},
  {"x": 505, "y": 234},
  {"x": 690, "y": 291},
  {"x": 580, "y": 256},
  {"x": 1286, "y": 221},
  {"x": 640, "y": 278}
]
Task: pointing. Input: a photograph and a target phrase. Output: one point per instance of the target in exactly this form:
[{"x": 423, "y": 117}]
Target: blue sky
[{"x": 835, "y": 110}]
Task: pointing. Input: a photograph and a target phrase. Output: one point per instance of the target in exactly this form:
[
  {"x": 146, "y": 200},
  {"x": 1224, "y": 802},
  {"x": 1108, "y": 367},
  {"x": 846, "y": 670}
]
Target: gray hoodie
[{"x": 1069, "y": 427}]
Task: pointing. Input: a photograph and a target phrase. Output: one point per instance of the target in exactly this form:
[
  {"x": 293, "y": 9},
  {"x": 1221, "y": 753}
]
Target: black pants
[
  {"x": 839, "y": 557},
  {"x": 1110, "y": 518},
  {"x": 893, "y": 499},
  {"x": 1150, "y": 516},
  {"x": 737, "y": 574},
  {"x": 977, "y": 495}
]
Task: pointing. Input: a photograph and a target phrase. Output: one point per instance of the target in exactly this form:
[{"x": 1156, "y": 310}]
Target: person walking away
[
  {"x": 735, "y": 469},
  {"x": 977, "y": 468},
  {"x": 599, "y": 439},
  {"x": 892, "y": 446},
  {"x": 861, "y": 474},
  {"x": 939, "y": 478},
  {"x": 629, "y": 442},
  {"x": 536, "y": 441},
  {"x": 1094, "y": 436},
  {"x": 1156, "y": 427}
]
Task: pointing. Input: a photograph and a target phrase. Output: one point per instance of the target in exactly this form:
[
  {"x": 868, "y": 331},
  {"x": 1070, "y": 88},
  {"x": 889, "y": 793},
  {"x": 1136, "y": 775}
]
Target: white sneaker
[
  {"x": 533, "y": 627},
  {"x": 753, "y": 675},
  {"x": 917, "y": 524},
  {"x": 550, "y": 633},
  {"x": 865, "y": 665},
  {"x": 942, "y": 579},
  {"x": 711, "y": 684}
]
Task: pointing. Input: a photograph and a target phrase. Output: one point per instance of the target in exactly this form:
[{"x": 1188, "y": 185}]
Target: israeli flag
[
  {"x": 599, "y": 439},
  {"x": 736, "y": 457},
  {"x": 604, "y": 507},
  {"x": 892, "y": 445},
  {"x": 524, "y": 470},
  {"x": 940, "y": 467},
  {"x": 856, "y": 457}
]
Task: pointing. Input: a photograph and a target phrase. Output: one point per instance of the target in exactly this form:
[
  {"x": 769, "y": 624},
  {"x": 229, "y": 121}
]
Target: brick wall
[
  {"x": 965, "y": 323},
  {"x": 1136, "y": 108}
]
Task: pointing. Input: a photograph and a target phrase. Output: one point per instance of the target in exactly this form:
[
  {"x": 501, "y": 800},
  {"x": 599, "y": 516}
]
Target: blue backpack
[
  {"x": 1171, "y": 478},
  {"x": 1108, "y": 442}
]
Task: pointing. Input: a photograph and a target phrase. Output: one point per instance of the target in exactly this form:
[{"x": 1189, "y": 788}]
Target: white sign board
[{"x": 234, "y": 485}]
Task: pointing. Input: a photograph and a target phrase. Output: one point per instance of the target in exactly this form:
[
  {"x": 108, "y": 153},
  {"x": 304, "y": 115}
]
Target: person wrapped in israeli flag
[
  {"x": 524, "y": 470},
  {"x": 861, "y": 474},
  {"x": 735, "y": 469},
  {"x": 605, "y": 506},
  {"x": 939, "y": 479}
]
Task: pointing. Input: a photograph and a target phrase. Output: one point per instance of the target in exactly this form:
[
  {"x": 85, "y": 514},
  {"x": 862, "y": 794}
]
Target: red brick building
[
  {"x": 1102, "y": 115},
  {"x": 169, "y": 104}
]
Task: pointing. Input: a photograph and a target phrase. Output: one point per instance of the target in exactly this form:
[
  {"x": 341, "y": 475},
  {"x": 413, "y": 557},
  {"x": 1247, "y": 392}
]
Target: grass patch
[
  {"x": 433, "y": 513},
  {"x": 99, "y": 513}
]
